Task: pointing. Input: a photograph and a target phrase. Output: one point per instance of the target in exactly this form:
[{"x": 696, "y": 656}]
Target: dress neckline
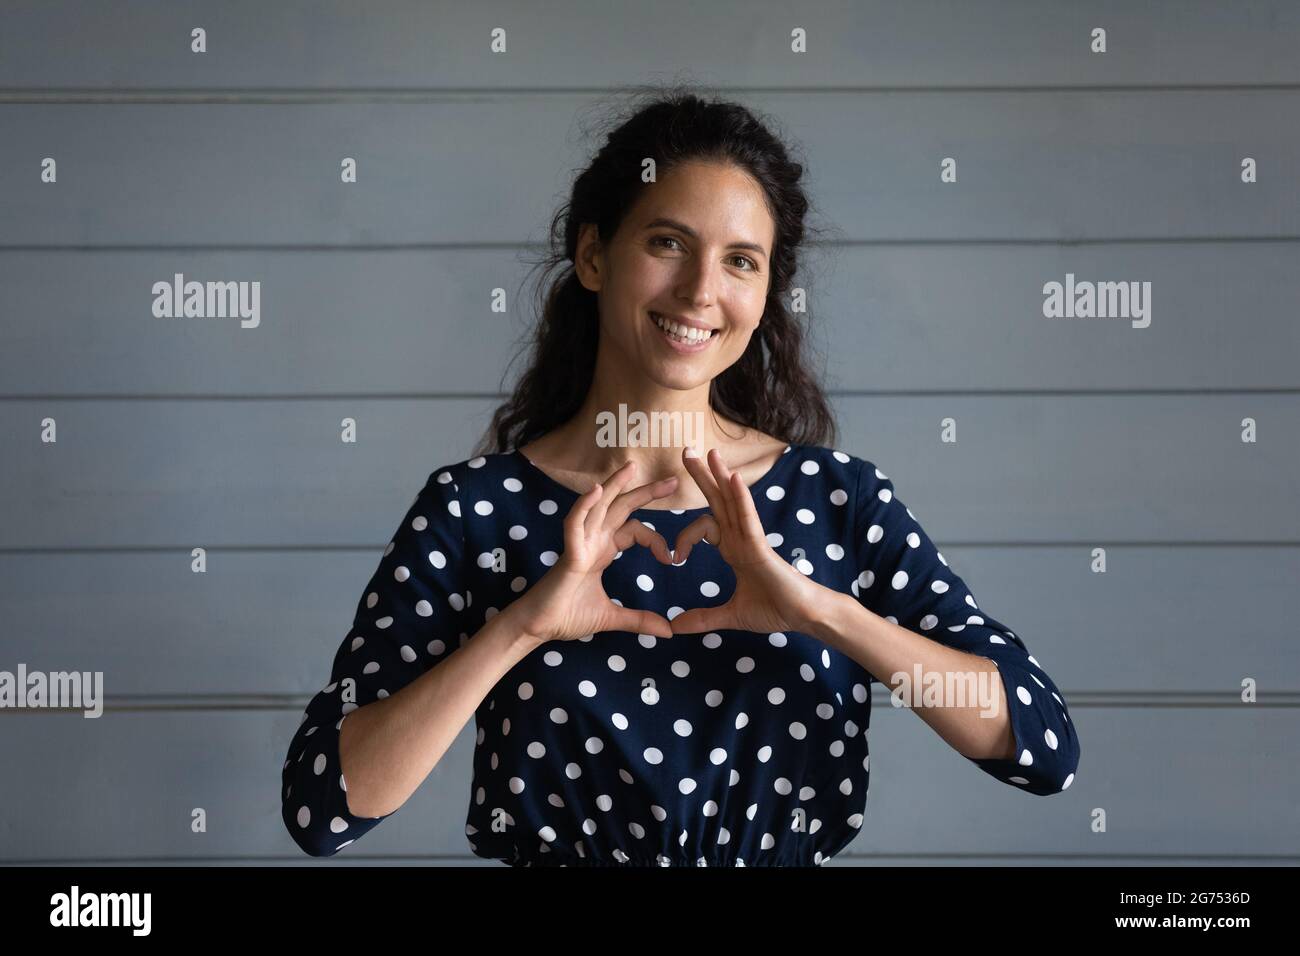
[{"x": 760, "y": 484}]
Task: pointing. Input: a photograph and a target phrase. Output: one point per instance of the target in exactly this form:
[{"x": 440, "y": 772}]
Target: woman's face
[{"x": 683, "y": 282}]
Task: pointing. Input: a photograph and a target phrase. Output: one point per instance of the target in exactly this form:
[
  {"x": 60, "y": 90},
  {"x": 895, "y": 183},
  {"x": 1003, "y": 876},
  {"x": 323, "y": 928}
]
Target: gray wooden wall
[{"x": 1072, "y": 434}]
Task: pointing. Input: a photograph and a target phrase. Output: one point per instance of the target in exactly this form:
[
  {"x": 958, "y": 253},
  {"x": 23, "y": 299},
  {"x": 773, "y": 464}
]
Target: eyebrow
[{"x": 662, "y": 222}]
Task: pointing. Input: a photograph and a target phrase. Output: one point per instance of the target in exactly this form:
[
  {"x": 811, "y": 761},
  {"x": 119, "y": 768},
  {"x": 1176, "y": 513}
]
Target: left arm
[
  {"x": 980, "y": 729},
  {"x": 1017, "y": 728}
]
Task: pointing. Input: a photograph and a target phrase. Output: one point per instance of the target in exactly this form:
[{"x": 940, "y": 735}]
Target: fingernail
[
  {"x": 673, "y": 554},
  {"x": 691, "y": 452}
]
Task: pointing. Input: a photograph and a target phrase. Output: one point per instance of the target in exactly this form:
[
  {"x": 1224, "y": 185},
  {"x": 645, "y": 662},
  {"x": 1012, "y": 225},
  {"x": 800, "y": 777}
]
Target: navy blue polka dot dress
[{"x": 719, "y": 749}]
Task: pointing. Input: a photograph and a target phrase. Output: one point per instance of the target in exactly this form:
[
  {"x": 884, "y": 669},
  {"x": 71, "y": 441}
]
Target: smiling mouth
[{"x": 683, "y": 335}]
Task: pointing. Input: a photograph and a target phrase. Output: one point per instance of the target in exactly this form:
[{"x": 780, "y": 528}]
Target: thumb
[
  {"x": 700, "y": 619},
  {"x": 639, "y": 621}
]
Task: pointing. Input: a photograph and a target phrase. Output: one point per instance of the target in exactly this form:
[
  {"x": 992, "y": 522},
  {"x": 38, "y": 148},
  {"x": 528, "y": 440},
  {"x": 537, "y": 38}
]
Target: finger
[
  {"x": 629, "y": 501},
  {"x": 748, "y": 521},
  {"x": 703, "y": 528},
  {"x": 699, "y": 620},
  {"x": 639, "y": 622},
  {"x": 613, "y": 485},
  {"x": 722, "y": 474},
  {"x": 699, "y": 471},
  {"x": 635, "y": 531},
  {"x": 573, "y": 521}
]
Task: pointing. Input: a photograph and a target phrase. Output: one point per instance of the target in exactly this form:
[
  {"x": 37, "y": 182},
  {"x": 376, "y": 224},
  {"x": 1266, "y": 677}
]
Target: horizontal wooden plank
[
  {"x": 906, "y": 318},
  {"x": 1030, "y": 166},
  {"x": 403, "y": 43},
  {"x": 125, "y": 785},
  {"x": 1092, "y": 470},
  {"x": 269, "y": 622}
]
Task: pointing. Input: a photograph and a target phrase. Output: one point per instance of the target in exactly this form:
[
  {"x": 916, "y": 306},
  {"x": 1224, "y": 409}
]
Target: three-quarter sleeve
[
  {"x": 906, "y": 579},
  {"x": 409, "y": 618}
]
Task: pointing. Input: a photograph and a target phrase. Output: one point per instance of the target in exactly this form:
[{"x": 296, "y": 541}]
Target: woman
[{"x": 794, "y": 574}]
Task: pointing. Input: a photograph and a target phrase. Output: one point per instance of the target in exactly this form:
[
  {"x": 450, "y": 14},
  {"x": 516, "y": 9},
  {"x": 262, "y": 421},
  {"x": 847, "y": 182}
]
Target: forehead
[{"x": 722, "y": 203}]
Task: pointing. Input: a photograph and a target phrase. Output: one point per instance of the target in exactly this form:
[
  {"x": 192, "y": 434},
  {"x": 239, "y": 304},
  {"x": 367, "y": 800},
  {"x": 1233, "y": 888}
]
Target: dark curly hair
[{"x": 770, "y": 387}]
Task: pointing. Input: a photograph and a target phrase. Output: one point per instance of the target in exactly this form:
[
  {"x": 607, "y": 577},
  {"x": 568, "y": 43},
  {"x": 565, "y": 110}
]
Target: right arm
[{"x": 343, "y": 776}]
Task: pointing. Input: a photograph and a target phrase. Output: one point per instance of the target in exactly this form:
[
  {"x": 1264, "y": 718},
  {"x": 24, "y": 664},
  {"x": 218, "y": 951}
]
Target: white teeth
[{"x": 681, "y": 333}]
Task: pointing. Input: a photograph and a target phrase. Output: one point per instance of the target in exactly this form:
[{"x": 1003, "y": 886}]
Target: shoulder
[
  {"x": 836, "y": 463},
  {"x": 469, "y": 478}
]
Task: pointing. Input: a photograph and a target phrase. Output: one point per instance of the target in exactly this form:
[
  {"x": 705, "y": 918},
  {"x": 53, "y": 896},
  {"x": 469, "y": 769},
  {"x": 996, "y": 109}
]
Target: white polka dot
[
  {"x": 594, "y": 745},
  {"x": 838, "y": 496},
  {"x": 644, "y": 582},
  {"x": 536, "y": 749},
  {"x": 477, "y": 462},
  {"x": 810, "y": 468},
  {"x": 653, "y": 755},
  {"x": 717, "y": 755},
  {"x": 518, "y": 532},
  {"x": 775, "y": 493},
  {"x": 1023, "y": 695},
  {"x": 899, "y": 581},
  {"x": 483, "y": 507},
  {"x": 745, "y": 665},
  {"x": 304, "y": 816},
  {"x": 423, "y": 608},
  {"x": 775, "y": 696},
  {"x": 513, "y": 484},
  {"x": 834, "y": 552},
  {"x": 616, "y": 663},
  {"x": 401, "y": 573},
  {"x": 709, "y": 589},
  {"x": 805, "y": 516},
  {"x": 875, "y": 533},
  {"x": 548, "y": 558},
  {"x": 686, "y": 785},
  {"x": 586, "y": 688},
  {"x": 547, "y": 507},
  {"x": 1050, "y": 738},
  {"x": 525, "y": 691},
  {"x": 437, "y": 559},
  {"x": 456, "y": 601},
  {"x": 775, "y": 539},
  {"x": 682, "y": 727},
  {"x": 454, "y": 508}
]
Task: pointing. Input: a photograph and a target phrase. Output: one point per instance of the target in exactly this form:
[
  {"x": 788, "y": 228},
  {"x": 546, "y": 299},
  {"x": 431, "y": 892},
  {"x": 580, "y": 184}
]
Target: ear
[{"x": 589, "y": 258}]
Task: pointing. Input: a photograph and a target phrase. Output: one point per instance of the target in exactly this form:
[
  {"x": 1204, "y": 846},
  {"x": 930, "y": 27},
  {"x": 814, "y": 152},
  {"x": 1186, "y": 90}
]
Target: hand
[
  {"x": 771, "y": 595},
  {"x": 569, "y": 601}
]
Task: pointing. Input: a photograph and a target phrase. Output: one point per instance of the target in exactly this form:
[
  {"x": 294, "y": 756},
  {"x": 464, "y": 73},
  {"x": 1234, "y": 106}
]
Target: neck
[{"x": 630, "y": 417}]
